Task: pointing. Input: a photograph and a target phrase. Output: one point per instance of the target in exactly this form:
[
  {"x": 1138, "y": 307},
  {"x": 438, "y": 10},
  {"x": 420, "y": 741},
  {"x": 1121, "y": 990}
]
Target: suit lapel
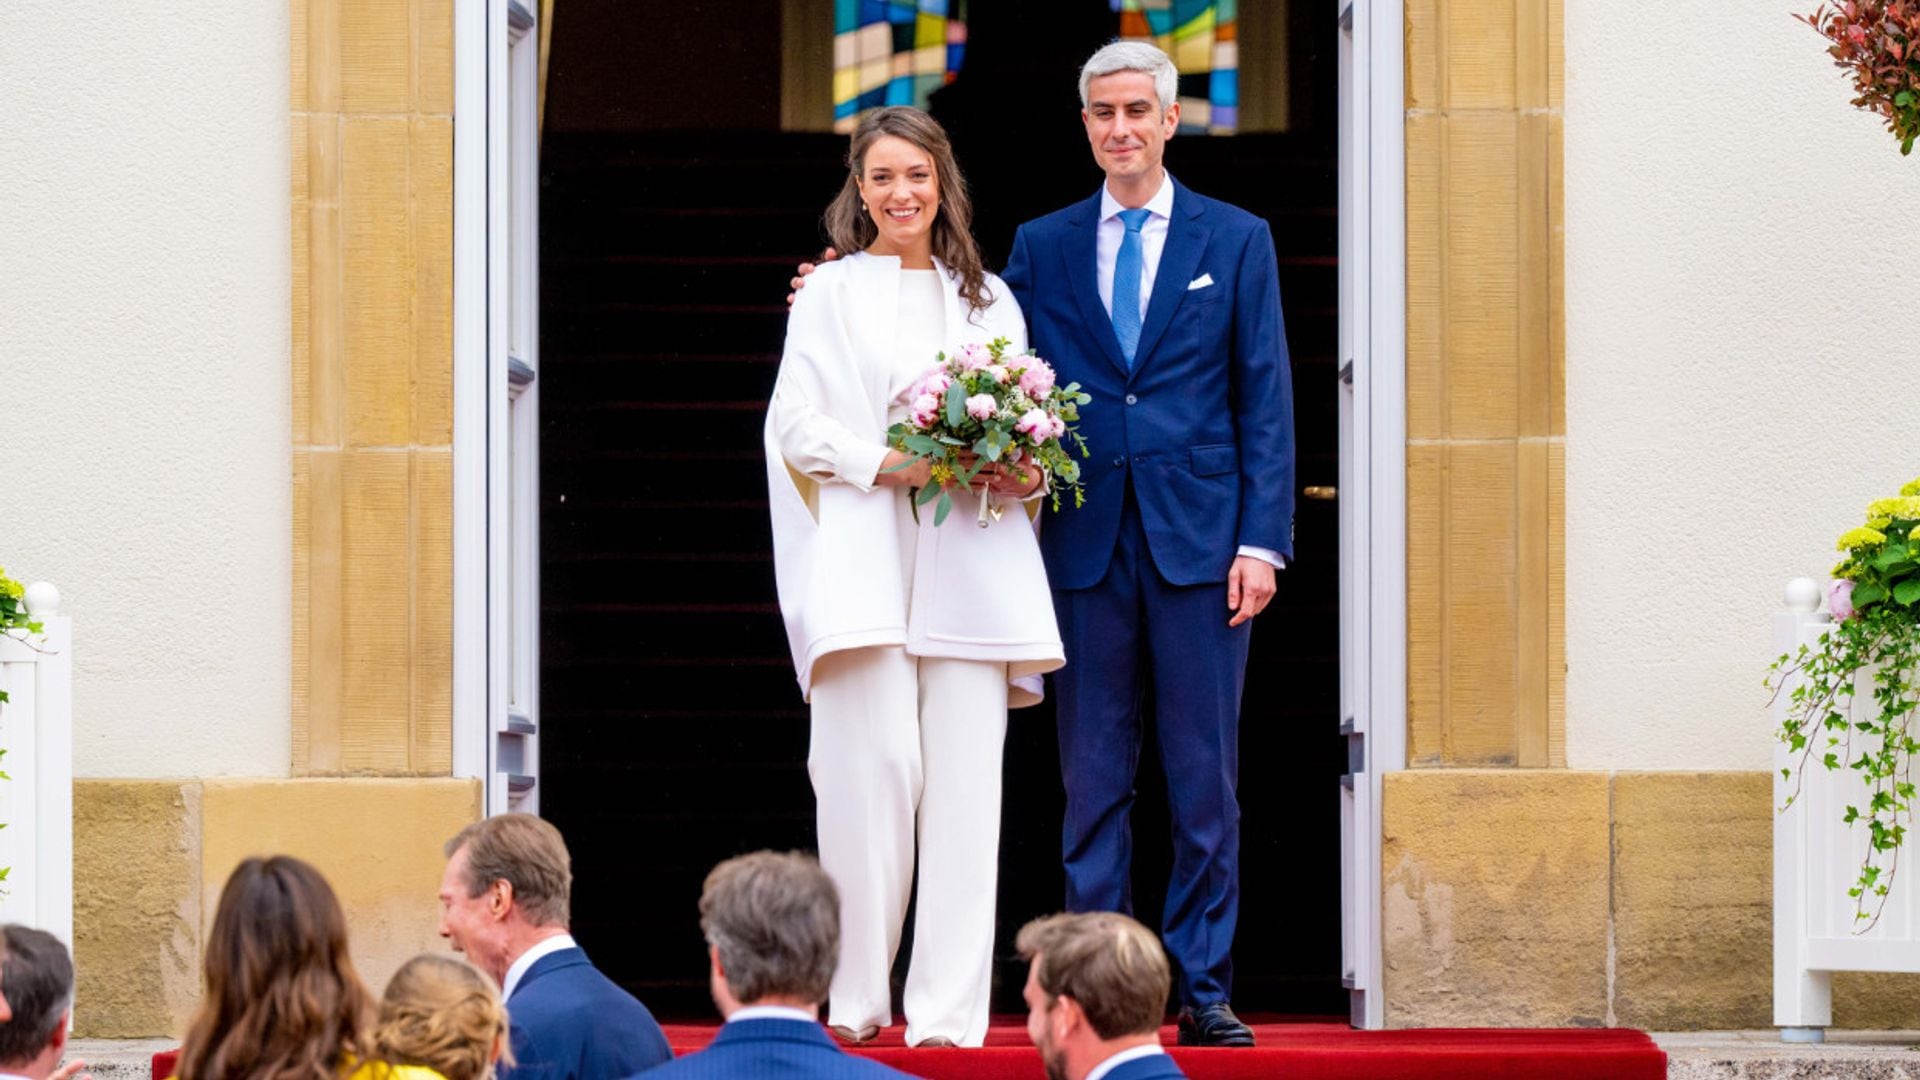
[
  {"x": 1187, "y": 235},
  {"x": 1083, "y": 268}
]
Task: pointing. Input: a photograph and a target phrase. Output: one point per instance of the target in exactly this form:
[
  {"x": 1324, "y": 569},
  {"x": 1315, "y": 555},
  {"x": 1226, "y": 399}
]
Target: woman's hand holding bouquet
[{"x": 982, "y": 409}]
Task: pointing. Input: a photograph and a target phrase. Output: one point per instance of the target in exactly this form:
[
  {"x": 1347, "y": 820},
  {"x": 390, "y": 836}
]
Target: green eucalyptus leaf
[
  {"x": 956, "y": 405},
  {"x": 925, "y": 495},
  {"x": 940, "y": 512}
]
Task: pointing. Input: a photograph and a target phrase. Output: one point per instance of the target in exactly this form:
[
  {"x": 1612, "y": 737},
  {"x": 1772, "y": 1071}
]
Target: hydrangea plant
[{"x": 1875, "y": 603}]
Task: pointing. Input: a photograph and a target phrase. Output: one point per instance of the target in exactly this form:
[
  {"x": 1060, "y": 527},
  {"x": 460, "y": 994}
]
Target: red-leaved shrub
[{"x": 1875, "y": 41}]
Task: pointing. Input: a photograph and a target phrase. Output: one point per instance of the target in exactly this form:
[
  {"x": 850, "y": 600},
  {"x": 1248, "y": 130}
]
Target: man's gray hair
[
  {"x": 1140, "y": 56},
  {"x": 776, "y": 921},
  {"x": 38, "y": 985}
]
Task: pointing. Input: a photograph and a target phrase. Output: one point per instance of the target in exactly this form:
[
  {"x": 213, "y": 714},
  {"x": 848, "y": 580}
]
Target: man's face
[
  {"x": 1042, "y": 1012},
  {"x": 467, "y": 921},
  {"x": 1125, "y": 124}
]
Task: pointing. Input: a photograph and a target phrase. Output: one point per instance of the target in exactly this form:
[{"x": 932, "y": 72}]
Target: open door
[
  {"x": 496, "y": 401},
  {"x": 1372, "y": 489}
]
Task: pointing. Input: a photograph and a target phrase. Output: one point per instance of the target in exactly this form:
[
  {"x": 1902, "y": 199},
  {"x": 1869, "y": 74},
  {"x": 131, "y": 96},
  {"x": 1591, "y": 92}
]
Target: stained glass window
[
  {"x": 893, "y": 52},
  {"x": 1202, "y": 37}
]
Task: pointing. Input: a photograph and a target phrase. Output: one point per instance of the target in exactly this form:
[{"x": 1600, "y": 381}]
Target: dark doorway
[{"x": 673, "y": 735}]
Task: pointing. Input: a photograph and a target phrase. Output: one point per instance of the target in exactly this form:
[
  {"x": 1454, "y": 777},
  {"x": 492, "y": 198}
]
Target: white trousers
[{"x": 907, "y": 750}]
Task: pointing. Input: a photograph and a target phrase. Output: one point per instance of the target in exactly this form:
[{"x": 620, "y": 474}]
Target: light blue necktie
[{"x": 1126, "y": 284}]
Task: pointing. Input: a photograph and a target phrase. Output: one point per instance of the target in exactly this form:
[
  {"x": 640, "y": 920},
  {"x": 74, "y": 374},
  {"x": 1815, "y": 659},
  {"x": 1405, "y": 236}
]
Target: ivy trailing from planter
[{"x": 1875, "y": 603}]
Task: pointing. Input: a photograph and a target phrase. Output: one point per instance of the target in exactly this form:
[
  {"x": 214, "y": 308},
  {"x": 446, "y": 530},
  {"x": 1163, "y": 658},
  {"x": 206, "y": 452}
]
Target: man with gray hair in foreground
[
  {"x": 38, "y": 985},
  {"x": 1096, "y": 993},
  {"x": 772, "y": 924}
]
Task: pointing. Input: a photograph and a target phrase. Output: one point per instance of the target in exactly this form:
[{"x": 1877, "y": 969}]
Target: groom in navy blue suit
[{"x": 1164, "y": 305}]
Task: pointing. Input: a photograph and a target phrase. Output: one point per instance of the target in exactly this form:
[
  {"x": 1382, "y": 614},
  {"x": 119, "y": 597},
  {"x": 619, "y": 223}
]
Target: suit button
[
  {"x": 1132, "y": 400},
  {"x": 1119, "y": 462}
]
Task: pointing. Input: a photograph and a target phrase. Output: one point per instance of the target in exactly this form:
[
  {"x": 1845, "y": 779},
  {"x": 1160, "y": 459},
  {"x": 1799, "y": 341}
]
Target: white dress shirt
[
  {"x": 1153, "y": 241},
  {"x": 772, "y": 1012},
  {"x": 1124, "y": 1056},
  {"x": 532, "y": 956}
]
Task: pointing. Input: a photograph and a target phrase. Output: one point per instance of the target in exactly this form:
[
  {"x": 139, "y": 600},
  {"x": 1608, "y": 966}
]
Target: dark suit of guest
[
  {"x": 1193, "y": 464},
  {"x": 1155, "y": 1067},
  {"x": 773, "y": 1048},
  {"x": 572, "y": 1023}
]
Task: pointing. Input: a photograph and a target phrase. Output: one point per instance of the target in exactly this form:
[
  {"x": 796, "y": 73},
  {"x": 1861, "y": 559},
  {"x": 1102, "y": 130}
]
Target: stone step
[
  {"x": 1760, "y": 1055},
  {"x": 119, "y": 1059}
]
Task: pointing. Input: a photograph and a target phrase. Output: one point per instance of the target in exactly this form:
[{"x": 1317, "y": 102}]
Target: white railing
[
  {"x": 36, "y": 803},
  {"x": 1816, "y": 859}
]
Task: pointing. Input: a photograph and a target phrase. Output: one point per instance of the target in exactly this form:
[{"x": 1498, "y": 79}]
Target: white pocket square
[{"x": 1200, "y": 282}]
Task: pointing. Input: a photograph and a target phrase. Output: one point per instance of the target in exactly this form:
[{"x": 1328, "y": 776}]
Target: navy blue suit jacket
[
  {"x": 1154, "y": 1067},
  {"x": 1202, "y": 423},
  {"x": 572, "y": 1023},
  {"x": 773, "y": 1048}
]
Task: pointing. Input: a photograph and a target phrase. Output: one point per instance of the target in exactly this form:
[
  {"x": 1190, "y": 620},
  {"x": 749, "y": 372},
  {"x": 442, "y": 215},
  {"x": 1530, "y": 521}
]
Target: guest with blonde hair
[
  {"x": 440, "y": 1019},
  {"x": 281, "y": 998}
]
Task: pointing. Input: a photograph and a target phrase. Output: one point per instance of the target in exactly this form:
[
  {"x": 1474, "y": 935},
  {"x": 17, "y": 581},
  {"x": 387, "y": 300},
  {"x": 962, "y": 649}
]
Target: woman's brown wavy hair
[
  {"x": 281, "y": 999},
  {"x": 441, "y": 1013},
  {"x": 850, "y": 226}
]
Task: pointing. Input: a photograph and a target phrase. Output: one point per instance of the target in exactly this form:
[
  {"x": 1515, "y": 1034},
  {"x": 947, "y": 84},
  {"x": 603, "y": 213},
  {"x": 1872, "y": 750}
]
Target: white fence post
[
  {"x": 36, "y": 805},
  {"x": 1802, "y": 997}
]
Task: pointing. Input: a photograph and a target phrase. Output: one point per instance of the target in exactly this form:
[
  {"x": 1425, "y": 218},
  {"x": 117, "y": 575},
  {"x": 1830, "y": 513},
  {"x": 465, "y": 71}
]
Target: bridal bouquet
[{"x": 981, "y": 406}]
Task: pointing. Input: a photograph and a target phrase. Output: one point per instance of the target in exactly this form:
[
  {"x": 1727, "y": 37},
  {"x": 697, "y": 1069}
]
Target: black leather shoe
[{"x": 1213, "y": 1025}]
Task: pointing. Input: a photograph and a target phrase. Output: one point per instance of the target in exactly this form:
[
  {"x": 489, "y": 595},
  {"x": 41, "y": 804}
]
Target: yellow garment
[{"x": 380, "y": 1070}]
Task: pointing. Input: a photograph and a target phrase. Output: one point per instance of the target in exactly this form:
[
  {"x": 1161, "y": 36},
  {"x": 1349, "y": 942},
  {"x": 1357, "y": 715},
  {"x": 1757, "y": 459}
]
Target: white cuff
[
  {"x": 1266, "y": 555},
  {"x": 860, "y": 463}
]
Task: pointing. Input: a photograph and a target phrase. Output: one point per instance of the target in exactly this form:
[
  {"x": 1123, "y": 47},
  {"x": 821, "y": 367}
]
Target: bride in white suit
[{"x": 911, "y": 640}]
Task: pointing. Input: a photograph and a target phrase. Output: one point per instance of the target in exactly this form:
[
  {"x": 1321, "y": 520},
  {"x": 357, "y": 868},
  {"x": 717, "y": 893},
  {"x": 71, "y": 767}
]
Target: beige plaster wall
[
  {"x": 1736, "y": 388},
  {"x": 144, "y": 389}
]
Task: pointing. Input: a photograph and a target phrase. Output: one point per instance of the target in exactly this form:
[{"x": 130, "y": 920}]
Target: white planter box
[
  {"x": 1817, "y": 858},
  {"x": 36, "y": 805}
]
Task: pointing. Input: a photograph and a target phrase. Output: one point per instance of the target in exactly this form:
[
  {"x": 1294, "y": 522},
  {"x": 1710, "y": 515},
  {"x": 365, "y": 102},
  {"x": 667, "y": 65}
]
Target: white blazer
[{"x": 977, "y": 594}]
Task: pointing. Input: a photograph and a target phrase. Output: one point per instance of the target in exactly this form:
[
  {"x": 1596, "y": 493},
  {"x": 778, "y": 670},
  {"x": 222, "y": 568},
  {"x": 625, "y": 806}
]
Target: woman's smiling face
[{"x": 902, "y": 194}]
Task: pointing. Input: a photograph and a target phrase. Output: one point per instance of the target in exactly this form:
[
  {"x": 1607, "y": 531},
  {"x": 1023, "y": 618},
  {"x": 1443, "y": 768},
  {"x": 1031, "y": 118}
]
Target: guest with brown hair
[
  {"x": 439, "y": 1018},
  {"x": 281, "y": 999},
  {"x": 1097, "y": 985}
]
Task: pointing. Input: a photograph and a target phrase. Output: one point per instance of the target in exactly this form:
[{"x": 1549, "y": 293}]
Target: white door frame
[
  {"x": 495, "y": 436},
  {"x": 1373, "y": 452},
  {"x": 1373, "y": 481}
]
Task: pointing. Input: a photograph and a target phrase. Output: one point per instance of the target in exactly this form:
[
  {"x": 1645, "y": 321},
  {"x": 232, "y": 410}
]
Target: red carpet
[
  {"x": 1305, "y": 1050},
  {"x": 1298, "y": 1050}
]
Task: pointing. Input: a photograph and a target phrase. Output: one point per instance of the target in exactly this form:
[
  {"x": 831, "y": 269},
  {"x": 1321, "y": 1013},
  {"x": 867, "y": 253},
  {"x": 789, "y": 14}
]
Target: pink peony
[
  {"x": 924, "y": 409},
  {"x": 973, "y": 357},
  {"x": 981, "y": 406},
  {"x": 1840, "y": 599},
  {"x": 998, "y": 373},
  {"x": 1037, "y": 379},
  {"x": 1059, "y": 427},
  {"x": 1036, "y": 425},
  {"x": 936, "y": 382}
]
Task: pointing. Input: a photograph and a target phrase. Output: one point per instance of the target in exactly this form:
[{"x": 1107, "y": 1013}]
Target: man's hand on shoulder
[
  {"x": 1250, "y": 587},
  {"x": 800, "y": 278}
]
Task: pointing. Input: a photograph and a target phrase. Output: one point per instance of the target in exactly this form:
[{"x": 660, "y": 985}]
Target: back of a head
[
  {"x": 1112, "y": 966},
  {"x": 281, "y": 997},
  {"x": 38, "y": 985},
  {"x": 526, "y": 852},
  {"x": 776, "y": 921},
  {"x": 440, "y": 1012}
]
